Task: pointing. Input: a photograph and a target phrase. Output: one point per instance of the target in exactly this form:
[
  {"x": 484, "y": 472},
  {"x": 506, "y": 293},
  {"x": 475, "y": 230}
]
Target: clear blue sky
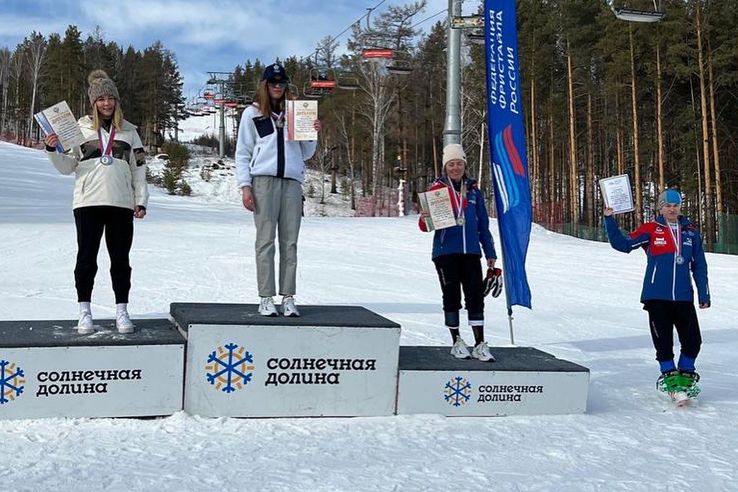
[{"x": 205, "y": 35}]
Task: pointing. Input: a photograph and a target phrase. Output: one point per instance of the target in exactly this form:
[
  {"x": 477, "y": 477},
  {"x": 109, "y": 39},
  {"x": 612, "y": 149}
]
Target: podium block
[
  {"x": 330, "y": 361},
  {"x": 48, "y": 370},
  {"x": 522, "y": 381}
]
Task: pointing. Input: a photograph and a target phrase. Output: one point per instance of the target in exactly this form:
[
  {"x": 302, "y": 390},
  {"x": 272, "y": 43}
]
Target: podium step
[
  {"x": 49, "y": 370},
  {"x": 522, "y": 381},
  {"x": 193, "y": 313},
  {"x": 330, "y": 361}
]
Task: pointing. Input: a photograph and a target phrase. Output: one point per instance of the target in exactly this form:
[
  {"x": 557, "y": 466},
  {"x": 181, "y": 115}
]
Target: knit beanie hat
[
  {"x": 451, "y": 152},
  {"x": 669, "y": 197},
  {"x": 101, "y": 85}
]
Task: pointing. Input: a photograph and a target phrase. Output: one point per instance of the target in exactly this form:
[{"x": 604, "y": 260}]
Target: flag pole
[{"x": 504, "y": 272}]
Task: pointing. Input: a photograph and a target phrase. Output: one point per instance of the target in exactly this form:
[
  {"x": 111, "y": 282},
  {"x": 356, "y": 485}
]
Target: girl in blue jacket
[
  {"x": 457, "y": 251},
  {"x": 674, "y": 250}
]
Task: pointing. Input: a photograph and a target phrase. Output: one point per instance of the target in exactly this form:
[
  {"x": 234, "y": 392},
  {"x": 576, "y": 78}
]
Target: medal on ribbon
[
  {"x": 107, "y": 149},
  {"x": 458, "y": 199},
  {"x": 279, "y": 119},
  {"x": 676, "y": 235}
]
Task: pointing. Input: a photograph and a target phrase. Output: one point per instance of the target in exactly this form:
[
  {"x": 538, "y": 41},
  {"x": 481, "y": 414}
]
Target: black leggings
[
  {"x": 117, "y": 223},
  {"x": 457, "y": 271},
  {"x": 663, "y": 317}
]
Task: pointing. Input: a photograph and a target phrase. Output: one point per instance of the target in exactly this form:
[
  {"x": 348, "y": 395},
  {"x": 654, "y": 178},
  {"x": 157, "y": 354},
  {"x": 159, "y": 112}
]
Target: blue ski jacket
[
  {"x": 667, "y": 276},
  {"x": 467, "y": 238}
]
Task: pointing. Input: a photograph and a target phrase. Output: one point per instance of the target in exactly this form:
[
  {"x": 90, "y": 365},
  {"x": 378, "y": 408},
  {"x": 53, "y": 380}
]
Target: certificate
[
  {"x": 617, "y": 193},
  {"x": 301, "y": 116},
  {"x": 438, "y": 204},
  {"x": 60, "y": 120}
]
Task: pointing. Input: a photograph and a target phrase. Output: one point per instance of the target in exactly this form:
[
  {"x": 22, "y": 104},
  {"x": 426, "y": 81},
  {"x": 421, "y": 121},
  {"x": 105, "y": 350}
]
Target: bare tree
[
  {"x": 35, "y": 51},
  {"x": 5, "y": 57},
  {"x": 16, "y": 67},
  {"x": 325, "y": 52},
  {"x": 392, "y": 30},
  {"x": 347, "y": 141}
]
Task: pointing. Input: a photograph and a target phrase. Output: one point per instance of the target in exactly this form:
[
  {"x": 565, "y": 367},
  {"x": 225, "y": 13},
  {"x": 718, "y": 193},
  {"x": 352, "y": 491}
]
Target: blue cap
[
  {"x": 275, "y": 73},
  {"x": 669, "y": 197}
]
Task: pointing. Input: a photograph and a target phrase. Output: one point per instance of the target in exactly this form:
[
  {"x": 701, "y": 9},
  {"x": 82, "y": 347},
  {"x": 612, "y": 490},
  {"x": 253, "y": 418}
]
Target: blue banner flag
[{"x": 507, "y": 145}]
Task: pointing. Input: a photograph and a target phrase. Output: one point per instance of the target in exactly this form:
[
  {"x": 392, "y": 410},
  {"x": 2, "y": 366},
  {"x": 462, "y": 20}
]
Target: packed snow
[{"x": 586, "y": 310}]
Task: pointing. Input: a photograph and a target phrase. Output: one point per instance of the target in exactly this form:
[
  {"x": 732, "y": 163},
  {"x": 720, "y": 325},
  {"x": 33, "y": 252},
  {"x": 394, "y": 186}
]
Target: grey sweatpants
[{"x": 278, "y": 204}]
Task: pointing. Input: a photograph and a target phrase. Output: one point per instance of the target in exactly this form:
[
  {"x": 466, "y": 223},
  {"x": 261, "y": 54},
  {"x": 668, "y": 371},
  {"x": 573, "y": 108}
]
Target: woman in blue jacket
[
  {"x": 674, "y": 250},
  {"x": 457, "y": 251}
]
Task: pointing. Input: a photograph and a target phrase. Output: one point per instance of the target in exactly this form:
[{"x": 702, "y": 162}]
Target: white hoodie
[
  {"x": 120, "y": 184},
  {"x": 258, "y": 150}
]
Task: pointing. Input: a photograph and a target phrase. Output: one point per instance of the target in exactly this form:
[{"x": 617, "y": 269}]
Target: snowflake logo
[
  {"x": 228, "y": 370},
  {"x": 457, "y": 391},
  {"x": 11, "y": 381}
]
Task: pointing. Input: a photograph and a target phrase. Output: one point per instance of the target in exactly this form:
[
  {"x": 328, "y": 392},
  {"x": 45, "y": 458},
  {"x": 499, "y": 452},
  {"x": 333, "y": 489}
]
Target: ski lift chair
[
  {"x": 629, "y": 14},
  {"x": 400, "y": 67},
  {"x": 476, "y": 36},
  {"x": 348, "y": 81},
  {"x": 311, "y": 93},
  {"x": 400, "y": 64},
  {"x": 322, "y": 82}
]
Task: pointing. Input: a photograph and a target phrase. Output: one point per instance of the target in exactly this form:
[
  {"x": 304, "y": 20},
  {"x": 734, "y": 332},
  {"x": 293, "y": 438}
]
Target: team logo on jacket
[
  {"x": 660, "y": 241},
  {"x": 688, "y": 241}
]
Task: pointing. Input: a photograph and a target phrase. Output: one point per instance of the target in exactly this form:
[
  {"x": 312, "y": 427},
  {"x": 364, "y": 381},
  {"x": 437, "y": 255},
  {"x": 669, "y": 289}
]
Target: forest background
[{"x": 600, "y": 97}]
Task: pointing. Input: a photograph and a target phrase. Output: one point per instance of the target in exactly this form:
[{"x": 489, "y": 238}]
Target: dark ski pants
[
  {"x": 117, "y": 223},
  {"x": 663, "y": 317},
  {"x": 459, "y": 271}
]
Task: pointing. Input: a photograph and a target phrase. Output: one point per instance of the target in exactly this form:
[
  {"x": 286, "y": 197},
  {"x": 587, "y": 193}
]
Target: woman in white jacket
[
  {"x": 110, "y": 190},
  {"x": 270, "y": 170}
]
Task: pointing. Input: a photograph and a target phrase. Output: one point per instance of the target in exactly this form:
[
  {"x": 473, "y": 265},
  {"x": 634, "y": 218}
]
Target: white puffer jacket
[
  {"x": 120, "y": 184},
  {"x": 259, "y": 153}
]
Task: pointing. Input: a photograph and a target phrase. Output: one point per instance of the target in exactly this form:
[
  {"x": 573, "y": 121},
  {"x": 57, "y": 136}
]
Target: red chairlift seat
[
  {"x": 323, "y": 84},
  {"x": 377, "y": 53}
]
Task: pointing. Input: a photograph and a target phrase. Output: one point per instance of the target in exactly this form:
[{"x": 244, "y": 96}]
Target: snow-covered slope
[{"x": 585, "y": 310}]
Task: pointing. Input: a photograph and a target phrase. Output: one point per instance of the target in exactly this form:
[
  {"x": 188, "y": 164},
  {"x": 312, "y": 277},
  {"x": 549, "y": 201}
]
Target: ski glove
[{"x": 493, "y": 282}]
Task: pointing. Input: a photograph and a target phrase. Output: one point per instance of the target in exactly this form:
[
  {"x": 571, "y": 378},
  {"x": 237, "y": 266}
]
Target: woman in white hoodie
[
  {"x": 270, "y": 170},
  {"x": 110, "y": 190}
]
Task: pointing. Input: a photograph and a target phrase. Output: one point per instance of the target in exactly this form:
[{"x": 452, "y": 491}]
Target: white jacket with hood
[
  {"x": 120, "y": 184},
  {"x": 262, "y": 149}
]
